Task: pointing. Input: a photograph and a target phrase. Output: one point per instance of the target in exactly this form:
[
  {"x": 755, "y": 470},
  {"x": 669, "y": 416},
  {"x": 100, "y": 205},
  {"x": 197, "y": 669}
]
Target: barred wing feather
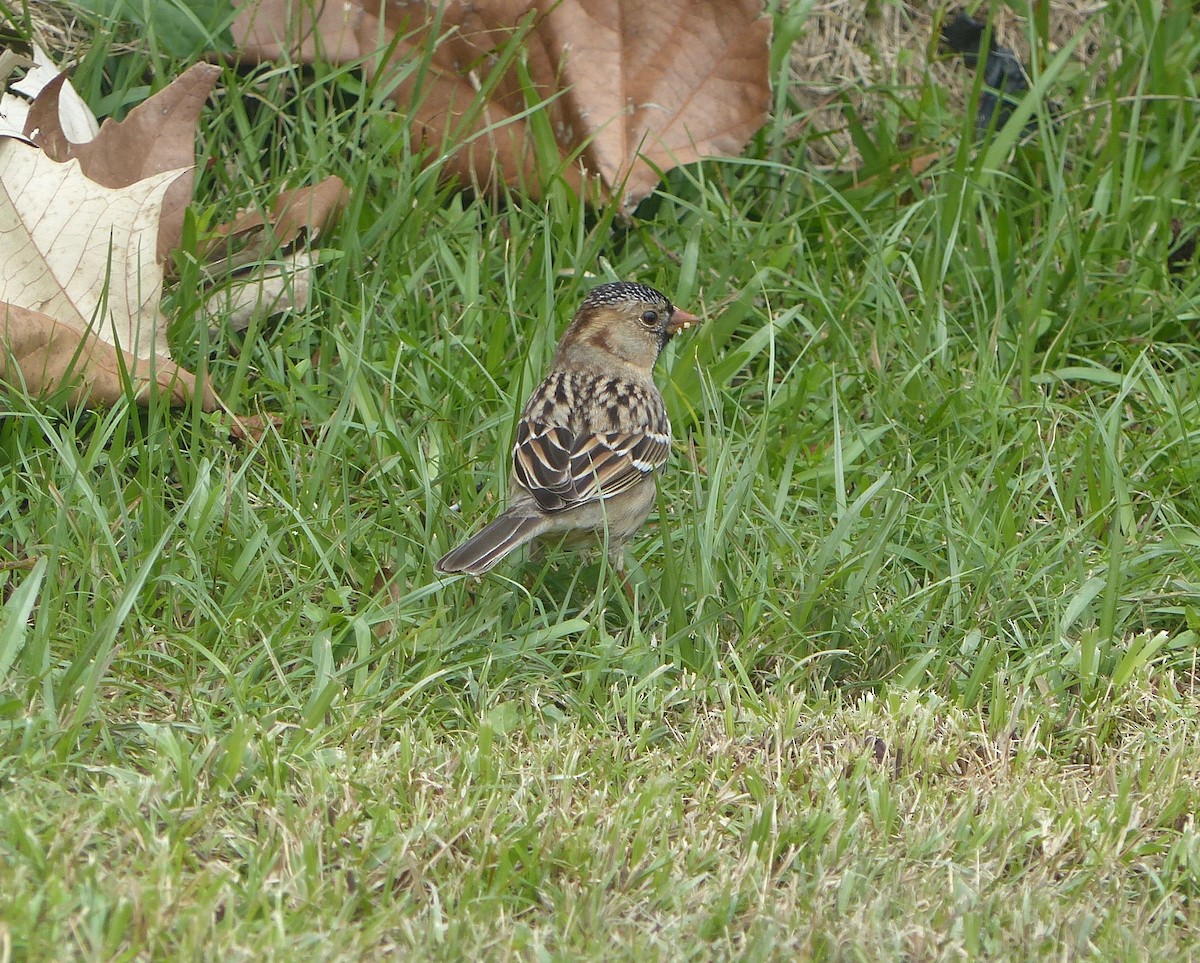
[{"x": 563, "y": 470}]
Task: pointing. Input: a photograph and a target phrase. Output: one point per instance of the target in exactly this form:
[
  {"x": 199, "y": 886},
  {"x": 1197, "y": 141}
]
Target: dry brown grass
[
  {"x": 852, "y": 50},
  {"x": 57, "y": 28}
]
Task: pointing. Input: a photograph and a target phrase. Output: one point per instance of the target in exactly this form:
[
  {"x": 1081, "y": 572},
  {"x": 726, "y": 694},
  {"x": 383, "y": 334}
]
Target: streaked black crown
[{"x": 617, "y": 292}]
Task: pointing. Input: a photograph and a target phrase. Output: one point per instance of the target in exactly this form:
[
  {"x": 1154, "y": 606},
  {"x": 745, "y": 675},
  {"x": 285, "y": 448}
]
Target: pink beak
[{"x": 681, "y": 321}]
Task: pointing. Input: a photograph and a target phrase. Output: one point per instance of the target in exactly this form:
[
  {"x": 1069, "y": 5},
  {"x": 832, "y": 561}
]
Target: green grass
[{"x": 911, "y": 667}]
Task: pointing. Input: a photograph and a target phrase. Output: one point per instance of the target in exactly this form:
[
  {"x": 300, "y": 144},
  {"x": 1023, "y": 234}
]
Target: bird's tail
[{"x": 486, "y": 547}]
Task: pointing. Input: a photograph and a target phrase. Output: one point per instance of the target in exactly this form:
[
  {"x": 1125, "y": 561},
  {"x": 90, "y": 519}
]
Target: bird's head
[{"x": 621, "y": 324}]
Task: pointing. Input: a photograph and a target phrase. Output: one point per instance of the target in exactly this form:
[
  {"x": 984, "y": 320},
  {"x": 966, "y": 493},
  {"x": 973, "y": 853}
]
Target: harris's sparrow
[{"x": 592, "y": 437}]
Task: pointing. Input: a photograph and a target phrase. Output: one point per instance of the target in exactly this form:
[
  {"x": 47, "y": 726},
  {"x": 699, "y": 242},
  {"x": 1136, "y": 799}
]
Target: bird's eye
[{"x": 649, "y": 318}]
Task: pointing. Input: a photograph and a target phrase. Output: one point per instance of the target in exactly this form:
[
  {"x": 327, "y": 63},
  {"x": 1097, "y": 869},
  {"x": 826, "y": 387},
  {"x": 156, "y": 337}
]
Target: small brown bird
[{"x": 592, "y": 436}]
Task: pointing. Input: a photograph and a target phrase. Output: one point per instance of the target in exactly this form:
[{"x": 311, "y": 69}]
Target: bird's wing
[{"x": 562, "y": 469}]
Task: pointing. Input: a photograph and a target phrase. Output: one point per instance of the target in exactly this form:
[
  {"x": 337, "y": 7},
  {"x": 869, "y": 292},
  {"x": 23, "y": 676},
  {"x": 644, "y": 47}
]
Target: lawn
[{"x": 909, "y": 670}]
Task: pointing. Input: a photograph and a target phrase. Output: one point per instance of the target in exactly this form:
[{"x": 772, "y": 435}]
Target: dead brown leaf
[
  {"x": 85, "y": 227},
  {"x": 80, "y": 284},
  {"x": 158, "y": 135},
  {"x": 307, "y": 32},
  {"x": 74, "y": 116},
  {"x": 45, "y": 355},
  {"x": 630, "y": 89},
  {"x": 80, "y": 252},
  {"x": 253, "y": 428},
  {"x": 663, "y": 84},
  {"x": 386, "y": 584},
  {"x": 259, "y": 284},
  {"x": 265, "y": 289},
  {"x": 251, "y": 236},
  {"x": 13, "y": 110}
]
